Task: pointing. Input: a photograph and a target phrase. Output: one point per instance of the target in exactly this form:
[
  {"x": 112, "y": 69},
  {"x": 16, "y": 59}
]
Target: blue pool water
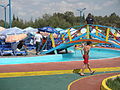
[{"x": 95, "y": 53}]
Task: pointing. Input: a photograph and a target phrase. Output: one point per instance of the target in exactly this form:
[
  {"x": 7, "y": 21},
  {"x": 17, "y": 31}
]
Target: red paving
[
  {"x": 90, "y": 83},
  {"x": 84, "y": 84}
]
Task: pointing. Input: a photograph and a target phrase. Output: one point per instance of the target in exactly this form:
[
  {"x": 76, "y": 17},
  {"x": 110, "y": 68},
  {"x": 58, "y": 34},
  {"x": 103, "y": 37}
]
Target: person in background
[
  {"x": 89, "y": 19},
  {"x": 38, "y": 41},
  {"x": 21, "y": 46}
]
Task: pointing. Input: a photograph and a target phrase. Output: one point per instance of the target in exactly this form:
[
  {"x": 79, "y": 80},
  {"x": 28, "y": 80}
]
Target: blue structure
[
  {"x": 71, "y": 38},
  {"x": 10, "y": 12}
]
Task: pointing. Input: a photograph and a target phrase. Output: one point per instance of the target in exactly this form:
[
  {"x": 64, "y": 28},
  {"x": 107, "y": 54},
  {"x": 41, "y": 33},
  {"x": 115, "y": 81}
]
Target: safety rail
[{"x": 69, "y": 35}]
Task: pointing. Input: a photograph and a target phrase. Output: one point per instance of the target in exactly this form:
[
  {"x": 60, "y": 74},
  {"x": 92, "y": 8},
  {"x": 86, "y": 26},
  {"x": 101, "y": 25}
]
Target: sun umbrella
[
  {"x": 11, "y": 31},
  {"x": 30, "y": 30},
  {"x": 13, "y": 34},
  {"x": 15, "y": 38},
  {"x": 48, "y": 29},
  {"x": 2, "y": 28},
  {"x": 45, "y": 31}
]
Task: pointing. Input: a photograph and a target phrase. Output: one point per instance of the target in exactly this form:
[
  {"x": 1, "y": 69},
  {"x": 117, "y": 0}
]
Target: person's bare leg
[
  {"x": 82, "y": 72},
  {"x": 88, "y": 66}
]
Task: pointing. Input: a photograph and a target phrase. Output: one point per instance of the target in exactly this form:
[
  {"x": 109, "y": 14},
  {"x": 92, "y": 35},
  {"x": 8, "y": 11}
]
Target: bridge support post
[
  {"x": 107, "y": 34},
  {"x": 53, "y": 42},
  {"x": 69, "y": 35},
  {"x": 96, "y": 30},
  {"x": 63, "y": 38},
  {"x": 88, "y": 31},
  {"x": 80, "y": 34},
  {"x": 115, "y": 34}
]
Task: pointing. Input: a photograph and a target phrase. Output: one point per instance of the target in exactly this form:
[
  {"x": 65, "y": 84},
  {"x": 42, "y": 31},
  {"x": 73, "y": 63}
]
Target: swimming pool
[{"x": 95, "y": 53}]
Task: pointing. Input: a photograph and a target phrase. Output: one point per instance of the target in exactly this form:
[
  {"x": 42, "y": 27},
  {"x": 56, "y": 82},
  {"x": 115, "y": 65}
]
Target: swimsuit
[{"x": 85, "y": 57}]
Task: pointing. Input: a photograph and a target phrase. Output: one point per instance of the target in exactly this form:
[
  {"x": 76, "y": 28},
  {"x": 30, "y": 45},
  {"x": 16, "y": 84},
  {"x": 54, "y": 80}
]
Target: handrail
[{"x": 45, "y": 43}]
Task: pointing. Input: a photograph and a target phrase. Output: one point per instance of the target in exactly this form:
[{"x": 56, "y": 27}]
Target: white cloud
[
  {"x": 36, "y": 8},
  {"x": 109, "y": 3}
]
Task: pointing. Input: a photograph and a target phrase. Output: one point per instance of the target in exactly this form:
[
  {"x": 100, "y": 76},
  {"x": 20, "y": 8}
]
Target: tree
[
  {"x": 1, "y": 23},
  {"x": 58, "y": 22},
  {"x": 69, "y": 17},
  {"x": 62, "y": 20},
  {"x": 16, "y": 22}
]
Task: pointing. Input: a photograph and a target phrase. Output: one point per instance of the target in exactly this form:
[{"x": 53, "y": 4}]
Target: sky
[{"x": 33, "y": 9}]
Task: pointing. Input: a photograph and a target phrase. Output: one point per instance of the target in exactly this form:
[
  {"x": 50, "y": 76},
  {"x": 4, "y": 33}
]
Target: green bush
[{"x": 114, "y": 83}]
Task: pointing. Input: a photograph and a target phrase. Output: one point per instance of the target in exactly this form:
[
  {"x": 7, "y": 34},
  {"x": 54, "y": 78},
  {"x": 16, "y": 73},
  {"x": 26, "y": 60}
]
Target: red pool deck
[{"x": 51, "y": 66}]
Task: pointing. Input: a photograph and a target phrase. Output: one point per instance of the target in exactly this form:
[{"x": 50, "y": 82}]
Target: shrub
[{"x": 114, "y": 83}]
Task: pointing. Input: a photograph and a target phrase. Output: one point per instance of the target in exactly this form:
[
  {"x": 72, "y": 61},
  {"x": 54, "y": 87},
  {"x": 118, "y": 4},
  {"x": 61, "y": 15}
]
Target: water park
[
  {"x": 59, "y": 63},
  {"x": 63, "y": 58}
]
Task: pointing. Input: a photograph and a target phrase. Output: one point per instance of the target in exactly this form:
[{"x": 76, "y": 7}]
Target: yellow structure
[
  {"x": 88, "y": 32},
  {"x": 53, "y": 42},
  {"x": 107, "y": 34},
  {"x": 63, "y": 38},
  {"x": 52, "y": 39},
  {"x": 69, "y": 35},
  {"x": 96, "y": 30}
]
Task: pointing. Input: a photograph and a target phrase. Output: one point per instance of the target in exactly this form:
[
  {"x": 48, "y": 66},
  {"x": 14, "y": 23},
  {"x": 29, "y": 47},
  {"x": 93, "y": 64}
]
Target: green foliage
[
  {"x": 111, "y": 20},
  {"x": 63, "y": 20},
  {"x": 114, "y": 84},
  {"x": 2, "y": 23}
]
